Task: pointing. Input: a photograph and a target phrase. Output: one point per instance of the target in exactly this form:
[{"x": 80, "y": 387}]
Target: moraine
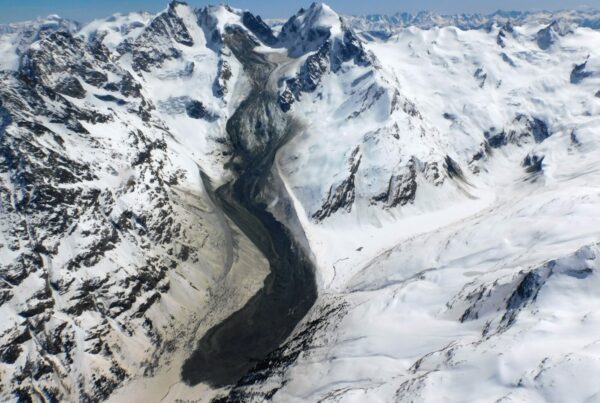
[{"x": 233, "y": 347}]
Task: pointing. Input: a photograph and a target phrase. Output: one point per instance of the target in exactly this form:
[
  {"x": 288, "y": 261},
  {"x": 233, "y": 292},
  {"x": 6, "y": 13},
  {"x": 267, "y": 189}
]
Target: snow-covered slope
[
  {"x": 377, "y": 26},
  {"x": 441, "y": 173},
  {"x": 454, "y": 215},
  {"x": 444, "y": 119},
  {"x": 114, "y": 258}
]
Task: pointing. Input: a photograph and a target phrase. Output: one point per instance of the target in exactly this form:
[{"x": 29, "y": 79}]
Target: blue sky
[{"x": 85, "y": 10}]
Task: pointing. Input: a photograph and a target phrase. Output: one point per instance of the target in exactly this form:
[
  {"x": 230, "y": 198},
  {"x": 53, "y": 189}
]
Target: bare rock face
[
  {"x": 548, "y": 36},
  {"x": 505, "y": 31},
  {"x": 329, "y": 57},
  {"x": 521, "y": 130},
  {"x": 579, "y": 73},
  {"x": 402, "y": 188},
  {"x": 308, "y": 77},
  {"x": 48, "y": 199},
  {"x": 342, "y": 196},
  {"x": 259, "y": 28},
  {"x": 223, "y": 76}
]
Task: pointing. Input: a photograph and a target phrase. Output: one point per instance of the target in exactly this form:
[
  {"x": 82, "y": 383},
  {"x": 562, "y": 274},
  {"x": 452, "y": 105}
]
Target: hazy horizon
[{"x": 86, "y": 10}]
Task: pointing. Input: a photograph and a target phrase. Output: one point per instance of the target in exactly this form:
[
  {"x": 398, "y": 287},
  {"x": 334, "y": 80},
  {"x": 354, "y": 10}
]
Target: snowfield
[
  {"x": 478, "y": 292},
  {"x": 444, "y": 177},
  {"x": 426, "y": 318}
]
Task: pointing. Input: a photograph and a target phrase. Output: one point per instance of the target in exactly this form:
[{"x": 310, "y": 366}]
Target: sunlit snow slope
[{"x": 459, "y": 250}]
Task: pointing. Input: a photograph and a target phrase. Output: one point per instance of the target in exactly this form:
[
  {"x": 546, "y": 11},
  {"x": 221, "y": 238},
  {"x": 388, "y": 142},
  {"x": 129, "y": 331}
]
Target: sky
[{"x": 86, "y": 10}]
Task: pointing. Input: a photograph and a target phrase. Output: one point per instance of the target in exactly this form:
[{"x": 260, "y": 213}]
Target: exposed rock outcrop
[
  {"x": 402, "y": 188},
  {"x": 343, "y": 194},
  {"x": 521, "y": 130}
]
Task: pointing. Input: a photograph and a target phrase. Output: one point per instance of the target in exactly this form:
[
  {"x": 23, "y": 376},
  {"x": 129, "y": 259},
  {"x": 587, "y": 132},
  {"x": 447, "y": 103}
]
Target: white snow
[{"x": 406, "y": 274}]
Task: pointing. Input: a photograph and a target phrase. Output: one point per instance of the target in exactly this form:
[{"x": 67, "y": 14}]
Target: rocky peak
[
  {"x": 426, "y": 18},
  {"x": 320, "y": 27},
  {"x": 504, "y": 30},
  {"x": 60, "y": 53},
  {"x": 309, "y": 29},
  {"x": 216, "y": 20},
  {"x": 173, "y": 4},
  {"x": 64, "y": 62},
  {"x": 321, "y": 33},
  {"x": 259, "y": 28},
  {"x": 22, "y": 35},
  {"x": 171, "y": 24},
  {"x": 548, "y": 36},
  {"x": 162, "y": 38}
]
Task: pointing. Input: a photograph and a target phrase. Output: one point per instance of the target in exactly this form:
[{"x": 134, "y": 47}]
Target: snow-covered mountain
[
  {"x": 377, "y": 26},
  {"x": 437, "y": 173},
  {"x": 114, "y": 257}
]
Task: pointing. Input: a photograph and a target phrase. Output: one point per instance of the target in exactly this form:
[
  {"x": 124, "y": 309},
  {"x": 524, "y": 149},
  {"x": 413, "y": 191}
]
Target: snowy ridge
[
  {"x": 378, "y": 26},
  {"x": 16, "y": 38}
]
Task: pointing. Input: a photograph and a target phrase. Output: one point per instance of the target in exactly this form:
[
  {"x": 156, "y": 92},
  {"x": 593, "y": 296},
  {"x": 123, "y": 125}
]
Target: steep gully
[{"x": 257, "y": 130}]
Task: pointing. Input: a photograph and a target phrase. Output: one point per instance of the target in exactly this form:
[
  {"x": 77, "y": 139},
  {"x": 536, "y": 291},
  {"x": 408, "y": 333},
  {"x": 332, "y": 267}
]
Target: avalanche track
[{"x": 232, "y": 348}]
